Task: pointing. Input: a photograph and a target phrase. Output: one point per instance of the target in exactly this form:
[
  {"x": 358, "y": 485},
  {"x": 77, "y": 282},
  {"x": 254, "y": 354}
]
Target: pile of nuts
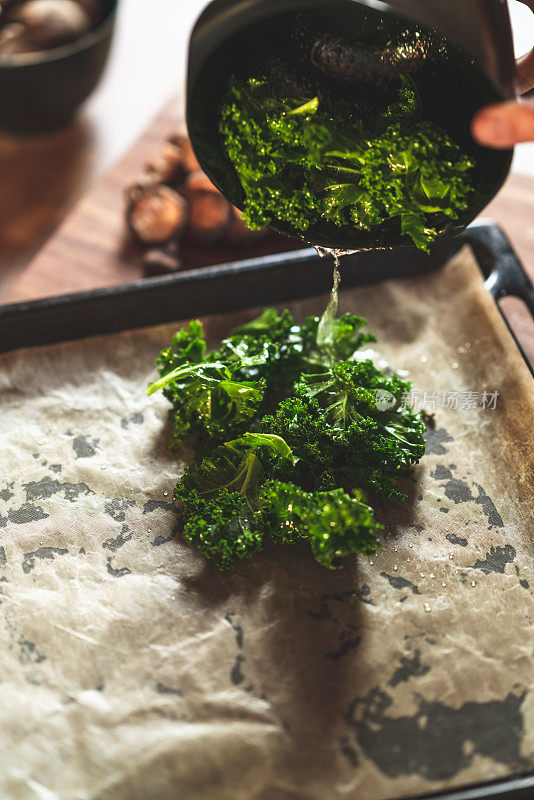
[
  {"x": 175, "y": 202},
  {"x": 30, "y": 26}
]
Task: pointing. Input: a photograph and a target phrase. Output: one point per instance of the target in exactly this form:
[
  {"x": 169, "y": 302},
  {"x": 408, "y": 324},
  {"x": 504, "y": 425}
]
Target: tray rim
[
  {"x": 202, "y": 291},
  {"x": 517, "y": 787}
]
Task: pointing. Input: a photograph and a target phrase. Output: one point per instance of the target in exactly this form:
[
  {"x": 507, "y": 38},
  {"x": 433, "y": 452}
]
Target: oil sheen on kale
[
  {"x": 292, "y": 438},
  {"x": 304, "y": 162}
]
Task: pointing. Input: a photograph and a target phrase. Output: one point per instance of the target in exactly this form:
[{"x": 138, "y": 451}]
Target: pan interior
[{"x": 355, "y": 53}]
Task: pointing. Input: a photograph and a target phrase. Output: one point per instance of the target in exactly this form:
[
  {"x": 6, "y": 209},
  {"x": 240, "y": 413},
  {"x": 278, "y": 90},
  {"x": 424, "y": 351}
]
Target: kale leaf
[{"x": 334, "y": 523}]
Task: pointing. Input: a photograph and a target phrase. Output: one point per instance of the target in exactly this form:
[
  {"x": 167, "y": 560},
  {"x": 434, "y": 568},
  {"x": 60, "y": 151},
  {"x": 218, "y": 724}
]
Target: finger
[
  {"x": 504, "y": 125},
  {"x": 525, "y": 72}
]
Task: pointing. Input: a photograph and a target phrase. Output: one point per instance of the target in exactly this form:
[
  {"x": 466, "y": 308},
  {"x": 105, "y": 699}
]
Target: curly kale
[
  {"x": 223, "y": 528},
  {"x": 219, "y": 496},
  {"x": 207, "y": 401},
  {"x": 236, "y": 466},
  {"x": 305, "y": 163},
  {"x": 334, "y": 523},
  {"x": 293, "y": 428},
  {"x": 350, "y": 420},
  {"x": 220, "y": 394}
]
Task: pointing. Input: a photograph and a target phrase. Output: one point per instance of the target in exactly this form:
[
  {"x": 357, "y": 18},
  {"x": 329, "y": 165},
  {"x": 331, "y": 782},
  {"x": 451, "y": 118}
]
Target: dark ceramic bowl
[
  {"x": 42, "y": 91},
  {"x": 245, "y": 37}
]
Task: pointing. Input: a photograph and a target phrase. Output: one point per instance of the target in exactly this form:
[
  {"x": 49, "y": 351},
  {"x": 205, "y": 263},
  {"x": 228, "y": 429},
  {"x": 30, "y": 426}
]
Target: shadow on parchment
[
  {"x": 302, "y": 658},
  {"x": 301, "y": 630},
  {"x": 397, "y": 516}
]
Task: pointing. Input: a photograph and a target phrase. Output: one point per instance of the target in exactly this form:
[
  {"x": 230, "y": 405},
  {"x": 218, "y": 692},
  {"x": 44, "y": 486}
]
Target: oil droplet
[
  {"x": 455, "y": 365},
  {"x": 371, "y": 563},
  {"x": 410, "y": 545},
  {"x": 395, "y": 549},
  {"x": 427, "y": 608},
  {"x": 422, "y": 574},
  {"x": 395, "y": 568},
  {"x": 424, "y": 360},
  {"x": 461, "y": 349},
  {"x": 103, "y": 466},
  {"x": 431, "y": 575},
  {"x": 443, "y": 583},
  {"x": 473, "y": 583},
  {"x": 165, "y": 493},
  {"x": 450, "y": 556},
  {"x": 173, "y": 597},
  {"x": 408, "y": 560}
]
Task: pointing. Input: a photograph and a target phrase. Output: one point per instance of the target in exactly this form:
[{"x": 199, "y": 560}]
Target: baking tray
[{"x": 273, "y": 279}]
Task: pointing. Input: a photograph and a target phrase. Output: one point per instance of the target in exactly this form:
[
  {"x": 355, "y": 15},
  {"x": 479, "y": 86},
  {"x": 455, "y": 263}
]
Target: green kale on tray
[
  {"x": 290, "y": 436},
  {"x": 304, "y": 162}
]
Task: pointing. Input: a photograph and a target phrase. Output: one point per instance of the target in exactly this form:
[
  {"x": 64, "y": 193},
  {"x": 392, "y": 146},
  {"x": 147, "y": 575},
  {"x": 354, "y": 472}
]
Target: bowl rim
[{"x": 58, "y": 53}]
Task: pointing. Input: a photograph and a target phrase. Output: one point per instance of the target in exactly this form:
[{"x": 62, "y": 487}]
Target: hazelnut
[
  {"x": 209, "y": 211},
  {"x": 161, "y": 261},
  {"x": 49, "y": 23},
  {"x": 155, "y": 213},
  {"x": 13, "y": 39},
  {"x": 168, "y": 167}
]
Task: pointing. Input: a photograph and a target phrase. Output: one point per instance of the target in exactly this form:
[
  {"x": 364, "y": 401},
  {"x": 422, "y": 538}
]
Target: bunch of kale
[
  {"x": 289, "y": 435},
  {"x": 306, "y": 163}
]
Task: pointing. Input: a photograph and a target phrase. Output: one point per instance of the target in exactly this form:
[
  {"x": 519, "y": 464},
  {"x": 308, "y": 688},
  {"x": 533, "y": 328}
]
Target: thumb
[{"x": 504, "y": 124}]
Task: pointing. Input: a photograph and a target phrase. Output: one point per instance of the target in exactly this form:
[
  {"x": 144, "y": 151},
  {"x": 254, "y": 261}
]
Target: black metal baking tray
[
  {"x": 260, "y": 281},
  {"x": 268, "y": 280}
]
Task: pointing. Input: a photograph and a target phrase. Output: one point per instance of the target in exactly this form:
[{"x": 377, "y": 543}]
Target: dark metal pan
[{"x": 261, "y": 37}]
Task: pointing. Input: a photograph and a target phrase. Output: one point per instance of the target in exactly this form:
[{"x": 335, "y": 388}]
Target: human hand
[{"x": 504, "y": 124}]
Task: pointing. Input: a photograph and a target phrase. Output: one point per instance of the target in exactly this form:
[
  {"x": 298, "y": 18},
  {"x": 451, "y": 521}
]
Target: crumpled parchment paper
[{"x": 132, "y": 669}]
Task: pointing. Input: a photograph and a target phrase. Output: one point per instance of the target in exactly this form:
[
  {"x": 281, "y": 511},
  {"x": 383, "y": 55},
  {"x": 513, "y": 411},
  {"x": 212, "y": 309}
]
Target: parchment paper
[{"x": 132, "y": 669}]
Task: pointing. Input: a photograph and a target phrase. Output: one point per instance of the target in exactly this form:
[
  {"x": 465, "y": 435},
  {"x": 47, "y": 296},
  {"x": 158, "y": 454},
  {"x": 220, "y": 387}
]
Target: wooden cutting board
[{"x": 90, "y": 248}]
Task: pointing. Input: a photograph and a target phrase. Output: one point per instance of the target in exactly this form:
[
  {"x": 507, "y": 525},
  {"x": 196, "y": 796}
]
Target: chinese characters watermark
[{"x": 432, "y": 401}]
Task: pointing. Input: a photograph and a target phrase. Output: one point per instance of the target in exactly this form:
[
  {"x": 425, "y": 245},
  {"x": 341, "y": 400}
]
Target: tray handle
[{"x": 502, "y": 269}]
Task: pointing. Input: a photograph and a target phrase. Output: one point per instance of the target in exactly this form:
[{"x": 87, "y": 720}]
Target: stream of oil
[{"x": 326, "y": 323}]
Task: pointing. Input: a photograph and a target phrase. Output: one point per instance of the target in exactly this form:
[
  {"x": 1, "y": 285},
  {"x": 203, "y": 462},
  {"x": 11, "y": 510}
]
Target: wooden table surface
[{"x": 44, "y": 177}]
